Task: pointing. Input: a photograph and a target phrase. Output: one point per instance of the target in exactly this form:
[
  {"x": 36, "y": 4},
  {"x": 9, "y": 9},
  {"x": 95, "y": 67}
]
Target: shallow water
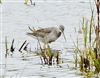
[{"x": 16, "y": 17}]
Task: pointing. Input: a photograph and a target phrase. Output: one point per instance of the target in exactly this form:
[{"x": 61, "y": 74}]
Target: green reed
[
  {"x": 76, "y": 53},
  {"x": 0, "y": 1},
  {"x": 26, "y": 2},
  {"x": 47, "y": 56},
  {"x": 89, "y": 62},
  {"x": 88, "y": 58},
  {"x": 6, "y": 47},
  {"x": 85, "y": 29}
]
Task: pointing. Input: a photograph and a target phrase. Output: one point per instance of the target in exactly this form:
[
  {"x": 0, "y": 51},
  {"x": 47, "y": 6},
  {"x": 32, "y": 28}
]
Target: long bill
[{"x": 64, "y": 36}]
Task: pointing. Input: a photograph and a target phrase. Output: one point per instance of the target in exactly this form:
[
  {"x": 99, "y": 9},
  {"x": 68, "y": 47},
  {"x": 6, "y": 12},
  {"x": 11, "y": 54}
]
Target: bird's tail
[
  {"x": 31, "y": 29},
  {"x": 31, "y": 33}
]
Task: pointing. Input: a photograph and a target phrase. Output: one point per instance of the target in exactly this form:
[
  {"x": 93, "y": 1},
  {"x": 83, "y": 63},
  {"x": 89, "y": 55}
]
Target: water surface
[{"x": 16, "y": 17}]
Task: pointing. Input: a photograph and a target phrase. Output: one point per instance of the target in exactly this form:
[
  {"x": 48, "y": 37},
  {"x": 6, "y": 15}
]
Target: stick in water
[
  {"x": 22, "y": 46},
  {"x": 12, "y": 46}
]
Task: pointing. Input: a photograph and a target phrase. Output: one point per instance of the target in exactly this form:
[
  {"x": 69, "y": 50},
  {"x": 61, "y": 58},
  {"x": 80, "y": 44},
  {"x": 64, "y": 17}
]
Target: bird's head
[{"x": 61, "y": 27}]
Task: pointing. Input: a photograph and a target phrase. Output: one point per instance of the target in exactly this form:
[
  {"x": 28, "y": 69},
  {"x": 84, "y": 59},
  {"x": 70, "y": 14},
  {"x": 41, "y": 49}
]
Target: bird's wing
[
  {"x": 45, "y": 30},
  {"x": 41, "y": 32}
]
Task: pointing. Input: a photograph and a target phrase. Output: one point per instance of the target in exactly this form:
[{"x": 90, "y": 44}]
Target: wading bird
[{"x": 47, "y": 35}]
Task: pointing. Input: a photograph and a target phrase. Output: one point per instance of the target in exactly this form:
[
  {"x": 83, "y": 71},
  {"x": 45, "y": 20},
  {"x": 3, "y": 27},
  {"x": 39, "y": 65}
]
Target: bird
[{"x": 47, "y": 35}]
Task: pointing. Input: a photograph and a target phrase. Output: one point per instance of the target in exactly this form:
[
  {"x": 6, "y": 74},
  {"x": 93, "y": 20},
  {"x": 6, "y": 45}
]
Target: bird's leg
[
  {"x": 45, "y": 43},
  {"x": 44, "y": 47}
]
